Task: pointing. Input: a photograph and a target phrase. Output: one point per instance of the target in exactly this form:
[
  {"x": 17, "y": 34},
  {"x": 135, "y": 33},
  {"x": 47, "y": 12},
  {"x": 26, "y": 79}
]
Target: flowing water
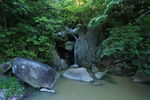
[
  {"x": 75, "y": 57},
  {"x": 123, "y": 89}
]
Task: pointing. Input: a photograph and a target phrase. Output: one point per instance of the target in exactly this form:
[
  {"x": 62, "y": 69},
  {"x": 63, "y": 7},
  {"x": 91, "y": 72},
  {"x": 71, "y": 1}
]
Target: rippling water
[{"x": 123, "y": 89}]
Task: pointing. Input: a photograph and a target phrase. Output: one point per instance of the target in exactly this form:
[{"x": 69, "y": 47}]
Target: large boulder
[
  {"x": 34, "y": 73},
  {"x": 80, "y": 74},
  {"x": 141, "y": 78},
  {"x": 88, "y": 48}
]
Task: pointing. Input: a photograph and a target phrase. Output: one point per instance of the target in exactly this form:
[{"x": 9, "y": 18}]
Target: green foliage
[
  {"x": 28, "y": 30},
  {"x": 12, "y": 84},
  {"x": 97, "y": 20},
  {"x": 102, "y": 17},
  {"x": 128, "y": 35},
  {"x": 28, "y": 27},
  {"x": 122, "y": 40}
]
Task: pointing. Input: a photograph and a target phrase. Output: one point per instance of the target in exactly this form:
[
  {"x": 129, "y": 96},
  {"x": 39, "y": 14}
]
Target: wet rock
[
  {"x": 141, "y": 78},
  {"x": 94, "y": 69},
  {"x": 34, "y": 73},
  {"x": 47, "y": 90},
  {"x": 74, "y": 66},
  {"x": 80, "y": 74},
  {"x": 99, "y": 75},
  {"x": 5, "y": 67},
  {"x": 69, "y": 46}
]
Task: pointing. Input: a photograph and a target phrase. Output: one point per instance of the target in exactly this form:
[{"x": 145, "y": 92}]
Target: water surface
[{"x": 124, "y": 89}]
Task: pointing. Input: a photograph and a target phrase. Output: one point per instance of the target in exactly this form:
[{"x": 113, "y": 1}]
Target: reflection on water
[{"x": 124, "y": 89}]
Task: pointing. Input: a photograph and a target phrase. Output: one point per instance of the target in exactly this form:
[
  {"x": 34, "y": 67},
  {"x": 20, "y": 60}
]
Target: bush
[
  {"x": 125, "y": 24},
  {"x": 31, "y": 34},
  {"x": 12, "y": 85}
]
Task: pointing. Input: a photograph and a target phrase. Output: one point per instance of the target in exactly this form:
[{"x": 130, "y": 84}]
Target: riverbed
[{"x": 122, "y": 89}]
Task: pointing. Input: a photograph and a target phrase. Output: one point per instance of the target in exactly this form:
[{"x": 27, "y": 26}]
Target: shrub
[{"x": 12, "y": 85}]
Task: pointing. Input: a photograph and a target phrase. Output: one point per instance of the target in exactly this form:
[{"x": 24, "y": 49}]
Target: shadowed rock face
[
  {"x": 34, "y": 73},
  {"x": 89, "y": 49}
]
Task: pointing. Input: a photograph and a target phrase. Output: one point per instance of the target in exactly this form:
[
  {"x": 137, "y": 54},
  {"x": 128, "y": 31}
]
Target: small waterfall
[
  {"x": 75, "y": 57},
  {"x": 72, "y": 32}
]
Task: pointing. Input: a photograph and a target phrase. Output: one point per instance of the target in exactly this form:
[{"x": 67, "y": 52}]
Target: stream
[{"x": 123, "y": 89}]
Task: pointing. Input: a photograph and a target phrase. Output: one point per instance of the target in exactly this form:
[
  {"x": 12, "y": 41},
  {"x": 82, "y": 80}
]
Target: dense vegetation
[
  {"x": 12, "y": 86},
  {"x": 126, "y": 24},
  {"x": 28, "y": 27}
]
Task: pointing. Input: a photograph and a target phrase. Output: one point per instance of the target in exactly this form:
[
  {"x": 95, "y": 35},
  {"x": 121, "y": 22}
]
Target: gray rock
[
  {"x": 47, "y": 90},
  {"x": 5, "y": 67},
  {"x": 94, "y": 69},
  {"x": 99, "y": 75},
  {"x": 34, "y": 73},
  {"x": 58, "y": 62},
  {"x": 69, "y": 45},
  {"x": 2, "y": 94},
  {"x": 74, "y": 66},
  {"x": 88, "y": 49},
  {"x": 141, "y": 78},
  {"x": 70, "y": 31},
  {"x": 80, "y": 74}
]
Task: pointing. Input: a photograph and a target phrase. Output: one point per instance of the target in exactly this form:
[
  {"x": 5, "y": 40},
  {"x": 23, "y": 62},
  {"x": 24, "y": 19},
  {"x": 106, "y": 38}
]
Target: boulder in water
[
  {"x": 141, "y": 78},
  {"x": 34, "y": 73},
  {"x": 80, "y": 74}
]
